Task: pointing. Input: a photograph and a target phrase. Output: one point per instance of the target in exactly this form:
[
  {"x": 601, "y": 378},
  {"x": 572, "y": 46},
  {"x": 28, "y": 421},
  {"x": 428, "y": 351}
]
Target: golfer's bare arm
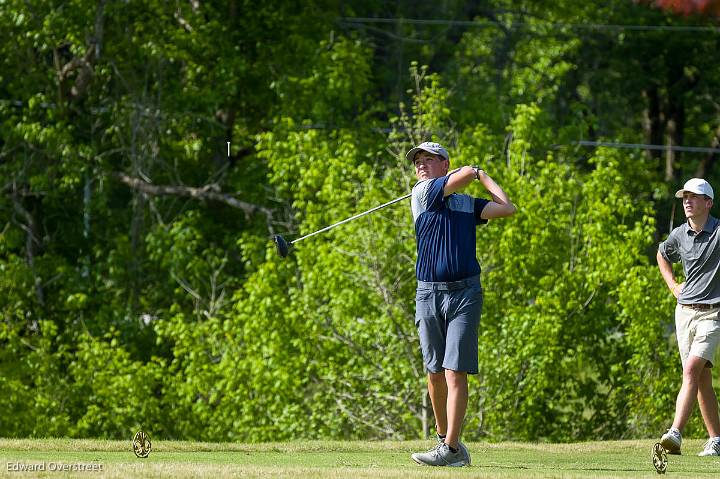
[
  {"x": 459, "y": 179},
  {"x": 668, "y": 275},
  {"x": 499, "y": 207}
]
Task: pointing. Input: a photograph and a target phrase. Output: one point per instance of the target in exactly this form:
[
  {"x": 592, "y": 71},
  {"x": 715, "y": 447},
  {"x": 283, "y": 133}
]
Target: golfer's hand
[{"x": 677, "y": 289}]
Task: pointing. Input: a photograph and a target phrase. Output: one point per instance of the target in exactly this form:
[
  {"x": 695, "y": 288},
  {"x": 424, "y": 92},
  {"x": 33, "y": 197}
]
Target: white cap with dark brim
[
  {"x": 430, "y": 147},
  {"x": 697, "y": 186}
]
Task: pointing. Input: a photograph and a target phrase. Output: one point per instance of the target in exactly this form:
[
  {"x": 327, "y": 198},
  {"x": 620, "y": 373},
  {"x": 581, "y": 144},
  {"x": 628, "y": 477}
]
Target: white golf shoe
[
  {"x": 671, "y": 441},
  {"x": 711, "y": 448},
  {"x": 441, "y": 455},
  {"x": 461, "y": 447}
]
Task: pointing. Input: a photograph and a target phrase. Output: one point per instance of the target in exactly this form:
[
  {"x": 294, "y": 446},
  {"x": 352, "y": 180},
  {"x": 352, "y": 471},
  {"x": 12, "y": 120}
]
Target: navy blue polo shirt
[{"x": 445, "y": 231}]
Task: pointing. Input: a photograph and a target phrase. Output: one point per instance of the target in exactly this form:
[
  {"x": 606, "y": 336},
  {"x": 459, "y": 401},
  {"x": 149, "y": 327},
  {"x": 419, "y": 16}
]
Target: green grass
[{"x": 334, "y": 459}]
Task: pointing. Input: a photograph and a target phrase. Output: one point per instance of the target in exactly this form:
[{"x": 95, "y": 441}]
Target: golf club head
[{"x": 281, "y": 246}]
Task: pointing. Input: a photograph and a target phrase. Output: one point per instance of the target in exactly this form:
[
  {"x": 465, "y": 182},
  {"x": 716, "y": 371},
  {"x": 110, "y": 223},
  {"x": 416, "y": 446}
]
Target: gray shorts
[{"x": 447, "y": 317}]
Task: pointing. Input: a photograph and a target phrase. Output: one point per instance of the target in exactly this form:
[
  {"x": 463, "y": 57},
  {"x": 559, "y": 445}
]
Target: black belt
[{"x": 701, "y": 307}]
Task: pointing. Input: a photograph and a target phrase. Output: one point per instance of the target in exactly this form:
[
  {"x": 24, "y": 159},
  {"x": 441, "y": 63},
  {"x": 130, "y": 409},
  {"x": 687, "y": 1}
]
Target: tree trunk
[
  {"x": 670, "y": 134},
  {"x": 706, "y": 164},
  {"x": 674, "y": 133},
  {"x": 32, "y": 243},
  {"x": 652, "y": 122},
  {"x": 426, "y": 416}
]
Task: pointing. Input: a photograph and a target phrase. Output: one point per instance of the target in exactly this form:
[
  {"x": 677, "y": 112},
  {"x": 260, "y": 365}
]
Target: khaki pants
[{"x": 698, "y": 332}]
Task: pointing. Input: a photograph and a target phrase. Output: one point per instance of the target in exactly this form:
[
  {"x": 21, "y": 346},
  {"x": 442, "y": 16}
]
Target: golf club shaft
[{"x": 352, "y": 218}]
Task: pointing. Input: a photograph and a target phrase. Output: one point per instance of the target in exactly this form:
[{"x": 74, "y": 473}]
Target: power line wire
[
  {"x": 644, "y": 146},
  {"x": 548, "y": 25},
  {"x": 607, "y": 144}
]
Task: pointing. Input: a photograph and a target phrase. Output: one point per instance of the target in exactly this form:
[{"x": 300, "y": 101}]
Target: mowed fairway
[{"x": 335, "y": 459}]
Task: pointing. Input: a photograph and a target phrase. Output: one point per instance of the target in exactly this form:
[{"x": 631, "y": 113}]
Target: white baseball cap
[
  {"x": 430, "y": 147},
  {"x": 697, "y": 186}
]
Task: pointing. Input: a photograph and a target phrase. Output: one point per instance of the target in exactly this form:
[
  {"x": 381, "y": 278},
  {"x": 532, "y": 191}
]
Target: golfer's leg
[
  {"x": 437, "y": 387},
  {"x": 461, "y": 356},
  {"x": 708, "y": 403},
  {"x": 688, "y": 391},
  {"x": 431, "y": 331},
  {"x": 457, "y": 399}
]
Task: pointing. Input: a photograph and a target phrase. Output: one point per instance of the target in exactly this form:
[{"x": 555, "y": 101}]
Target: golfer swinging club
[
  {"x": 449, "y": 296},
  {"x": 697, "y": 322}
]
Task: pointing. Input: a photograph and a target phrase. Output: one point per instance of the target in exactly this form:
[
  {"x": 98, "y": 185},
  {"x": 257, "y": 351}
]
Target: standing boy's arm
[{"x": 668, "y": 275}]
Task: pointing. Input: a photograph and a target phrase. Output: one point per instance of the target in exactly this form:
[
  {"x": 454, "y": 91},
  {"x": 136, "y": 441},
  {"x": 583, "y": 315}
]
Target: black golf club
[{"x": 283, "y": 247}]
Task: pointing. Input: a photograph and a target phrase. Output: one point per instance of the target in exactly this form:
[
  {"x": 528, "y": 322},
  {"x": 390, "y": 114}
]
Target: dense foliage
[{"x": 138, "y": 285}]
